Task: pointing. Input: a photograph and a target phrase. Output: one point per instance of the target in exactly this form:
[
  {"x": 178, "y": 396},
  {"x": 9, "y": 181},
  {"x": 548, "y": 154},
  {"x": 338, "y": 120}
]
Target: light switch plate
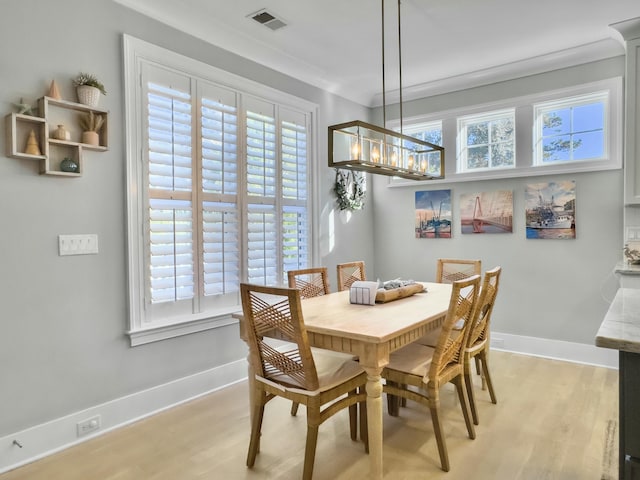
[{"x": 86, "y": 244}]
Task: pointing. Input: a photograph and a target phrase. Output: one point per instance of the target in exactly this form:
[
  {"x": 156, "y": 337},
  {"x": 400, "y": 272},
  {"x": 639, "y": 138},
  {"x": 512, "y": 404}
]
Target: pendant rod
[
  {"x": 400, "y": 63},
  {"x": 384, "y": 90}
]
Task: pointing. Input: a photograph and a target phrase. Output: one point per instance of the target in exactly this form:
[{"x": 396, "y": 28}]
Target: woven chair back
[
  {"x": 450, "y": 270},
  {"x": 449, "y": 352},
  {"x": 488, "y": 293},
  {"x": 278, "y": 313},
  {"x": 349, "y": 273},
  {"x": 312, "y": 282}
]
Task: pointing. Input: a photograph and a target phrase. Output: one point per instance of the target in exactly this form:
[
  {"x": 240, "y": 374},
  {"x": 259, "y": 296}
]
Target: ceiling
[{"x": 446, "y": 44}]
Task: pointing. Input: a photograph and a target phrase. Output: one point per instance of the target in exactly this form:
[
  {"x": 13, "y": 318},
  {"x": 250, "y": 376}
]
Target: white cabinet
[{"x": 630, "y": 32}]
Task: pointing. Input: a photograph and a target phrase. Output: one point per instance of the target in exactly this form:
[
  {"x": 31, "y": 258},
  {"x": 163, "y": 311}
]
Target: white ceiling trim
[{"x": 556, "y": 60}]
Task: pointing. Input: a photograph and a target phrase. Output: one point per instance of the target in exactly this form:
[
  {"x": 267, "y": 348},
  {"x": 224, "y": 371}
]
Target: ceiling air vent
[{"x": 267, "y": 19}]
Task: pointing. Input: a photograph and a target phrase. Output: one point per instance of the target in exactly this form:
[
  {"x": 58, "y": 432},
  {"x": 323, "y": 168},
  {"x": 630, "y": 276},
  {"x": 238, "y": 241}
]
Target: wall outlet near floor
[{"x": 89, "y": 425}]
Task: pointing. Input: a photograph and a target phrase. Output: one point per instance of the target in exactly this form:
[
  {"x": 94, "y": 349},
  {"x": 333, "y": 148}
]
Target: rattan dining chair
[
  {"x": 478, "y": 340},
  {"x": 348, "y": 273},
  {"x": 312, "y": 282},
  {"x": 448, "y": 270},
  {"x": 417, "y": 372},
  {"x": 325, "y": 382}
]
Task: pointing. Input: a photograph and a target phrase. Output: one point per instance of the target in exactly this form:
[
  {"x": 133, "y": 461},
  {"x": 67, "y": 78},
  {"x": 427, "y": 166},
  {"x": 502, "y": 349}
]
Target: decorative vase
[
  {"x": 62, "y": 133},
  {"x": 88, "y": 95},
  {"x": 90, "y": 138},
  {"x": 68, "y": 165}
]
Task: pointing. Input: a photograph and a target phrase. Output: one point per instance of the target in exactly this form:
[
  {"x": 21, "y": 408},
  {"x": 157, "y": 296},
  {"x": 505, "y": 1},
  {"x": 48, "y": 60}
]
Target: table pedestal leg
[{"x": 374, "y": 419}]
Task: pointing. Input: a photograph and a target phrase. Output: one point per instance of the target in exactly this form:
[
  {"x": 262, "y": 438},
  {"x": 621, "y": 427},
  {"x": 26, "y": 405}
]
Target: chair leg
[
  {"x": 393, "y": 407},
  {"x": 294, "y": 408},
  {"x": 353, "y": 418},
  {"x": 256, "y": 427},
  {"x": 310, "y": 451},
  {"x": 464, "y": 403},
  {"x": 437, "y": 428},
  {"x": 468, "y": 381},
  {"x": 364, "y": 425},
  {"x": 487, "y": 376}
]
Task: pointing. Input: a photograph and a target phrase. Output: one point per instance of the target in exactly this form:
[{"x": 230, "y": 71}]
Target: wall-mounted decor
[
  {"x": 350, "y": 189},
  {"x": 551, "y": 210},
  {"x": 487, "y": 212},
  {"x": 433, "y": 214}
]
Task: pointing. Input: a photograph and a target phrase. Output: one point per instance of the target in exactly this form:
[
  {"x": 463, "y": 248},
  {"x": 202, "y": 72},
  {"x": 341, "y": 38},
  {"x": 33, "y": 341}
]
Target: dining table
[{"x": 371, "y": 333}]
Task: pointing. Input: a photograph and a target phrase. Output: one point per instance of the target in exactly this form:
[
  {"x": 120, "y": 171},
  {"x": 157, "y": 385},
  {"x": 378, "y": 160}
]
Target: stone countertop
[
  {"x": 620, "y": 329},
  {"x": 625, "y": 268}
]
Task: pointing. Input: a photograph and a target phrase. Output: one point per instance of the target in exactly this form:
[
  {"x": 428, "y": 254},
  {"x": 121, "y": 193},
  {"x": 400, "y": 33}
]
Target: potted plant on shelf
[
  {"x": 91, "y": 123},
  {"x": 88, "y": 88}
]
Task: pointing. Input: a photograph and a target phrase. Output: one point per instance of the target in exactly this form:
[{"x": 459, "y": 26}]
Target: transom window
[
  {"x": 429, "y": 132},
  {"x": 571, "y": 129},
  {"x": 487, "y": 141}
]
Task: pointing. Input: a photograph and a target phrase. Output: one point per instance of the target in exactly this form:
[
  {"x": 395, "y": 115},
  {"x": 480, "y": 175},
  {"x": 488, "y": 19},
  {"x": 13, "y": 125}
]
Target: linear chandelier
[{"x": 364, "y": 147}]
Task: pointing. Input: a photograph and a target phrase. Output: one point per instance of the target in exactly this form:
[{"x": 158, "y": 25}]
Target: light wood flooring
[{"x": 553, "y": 420}]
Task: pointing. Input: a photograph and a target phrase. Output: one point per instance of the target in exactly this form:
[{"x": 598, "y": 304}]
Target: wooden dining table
[{"x": 372, "y": 332}]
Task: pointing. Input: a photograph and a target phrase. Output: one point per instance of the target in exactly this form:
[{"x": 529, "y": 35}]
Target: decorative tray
[{"x": 384, "y": 296}]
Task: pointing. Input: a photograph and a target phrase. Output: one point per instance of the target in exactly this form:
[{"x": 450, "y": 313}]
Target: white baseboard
[
  {"x": 51, "y": 437},
  {"x": 48, "y": 438},
  {"x": 555, "y": 349}
]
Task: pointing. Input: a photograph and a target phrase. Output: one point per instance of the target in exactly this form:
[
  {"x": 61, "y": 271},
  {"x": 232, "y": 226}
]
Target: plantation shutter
[
  {"x": 171, "y": 265},
  {"x": 220, "y": 220},
  {"x": 295, "y": 181},
  {"x": 262, "y": 169}
]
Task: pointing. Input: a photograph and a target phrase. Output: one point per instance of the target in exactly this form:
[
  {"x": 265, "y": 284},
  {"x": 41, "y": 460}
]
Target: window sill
[
  {"x": 564, "y": 168},
  {"x": 163, "y": 332}
]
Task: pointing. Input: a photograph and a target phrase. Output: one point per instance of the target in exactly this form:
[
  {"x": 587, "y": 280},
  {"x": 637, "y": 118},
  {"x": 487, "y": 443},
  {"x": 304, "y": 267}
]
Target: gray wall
[
  {"x": 554, "y": 289},
  {"x": 63, "y": 346}
]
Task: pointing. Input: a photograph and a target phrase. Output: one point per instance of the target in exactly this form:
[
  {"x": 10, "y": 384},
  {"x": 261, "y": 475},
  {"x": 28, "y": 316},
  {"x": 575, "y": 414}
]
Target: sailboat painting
[
  {"x": 487, "y": 212},
  {"x": 433, "y": 214},
  {"x": 551, "y": 210}
]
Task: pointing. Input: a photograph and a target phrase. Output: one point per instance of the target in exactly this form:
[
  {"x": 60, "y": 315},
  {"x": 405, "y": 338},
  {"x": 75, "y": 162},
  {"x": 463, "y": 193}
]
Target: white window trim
[
  {"x": 524, "y": 136},
  {"x": 577, "y": 100},
  {"x": 462, "y": 147},
  {"x": 135, "y": 52}
]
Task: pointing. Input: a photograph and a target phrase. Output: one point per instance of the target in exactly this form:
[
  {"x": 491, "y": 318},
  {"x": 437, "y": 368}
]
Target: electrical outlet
[
  {"x": 89, "y": 425},
  {"x": 78, "y": 244}
]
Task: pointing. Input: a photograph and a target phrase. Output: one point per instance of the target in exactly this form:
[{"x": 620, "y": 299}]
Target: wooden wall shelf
[{"x": 52, "y": 113}]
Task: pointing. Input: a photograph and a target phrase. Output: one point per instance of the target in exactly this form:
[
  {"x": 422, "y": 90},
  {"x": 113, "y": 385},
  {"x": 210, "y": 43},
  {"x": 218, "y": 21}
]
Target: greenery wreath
[{"x": 349, "y": 190}]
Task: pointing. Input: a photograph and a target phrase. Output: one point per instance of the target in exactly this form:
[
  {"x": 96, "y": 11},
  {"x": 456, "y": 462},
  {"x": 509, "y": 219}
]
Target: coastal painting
[
  {"x": 551, "y": 210},
  {"x": 487, "y": 212},
  {"x": 433, "y": 214}
]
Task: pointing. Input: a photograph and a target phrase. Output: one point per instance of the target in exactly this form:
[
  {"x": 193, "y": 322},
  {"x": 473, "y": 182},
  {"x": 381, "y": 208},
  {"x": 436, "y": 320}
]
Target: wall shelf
[{"x": 52, "y": 113}]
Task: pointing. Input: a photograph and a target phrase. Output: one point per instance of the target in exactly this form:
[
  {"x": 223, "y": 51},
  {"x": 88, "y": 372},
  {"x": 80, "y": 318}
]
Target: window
[
  {"x": 218, "y": 188},
  {"x": 487, "y": 141},
  {"x": 429, "y": 132},
  {"x": 575, "y": 129},
  {"x": 571, "y": 129}
]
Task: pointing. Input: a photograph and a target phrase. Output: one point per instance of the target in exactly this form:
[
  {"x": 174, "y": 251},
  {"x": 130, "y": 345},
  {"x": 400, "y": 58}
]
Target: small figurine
[
  {"x": 32, "y": 147},
  {"x": 54, "y": 91},
  {"x": 24, "y": 108}
]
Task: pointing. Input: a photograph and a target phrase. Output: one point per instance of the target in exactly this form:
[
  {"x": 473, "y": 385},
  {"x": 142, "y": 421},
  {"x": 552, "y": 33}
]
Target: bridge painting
[{"x": 487, "y": 212}]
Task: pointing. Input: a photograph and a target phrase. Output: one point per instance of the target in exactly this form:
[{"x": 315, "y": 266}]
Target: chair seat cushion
[
  {"x": 413, "y": 358},
  {"x": 431, "y": 338},
  {"x": 333, "y": 368}
]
